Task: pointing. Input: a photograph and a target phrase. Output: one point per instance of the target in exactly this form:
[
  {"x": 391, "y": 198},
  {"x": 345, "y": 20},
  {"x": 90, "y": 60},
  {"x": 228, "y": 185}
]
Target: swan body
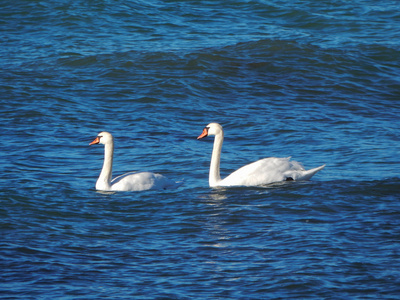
[
  {"x": 261, "y": 172},
  {"x": 132, "y": 181}
]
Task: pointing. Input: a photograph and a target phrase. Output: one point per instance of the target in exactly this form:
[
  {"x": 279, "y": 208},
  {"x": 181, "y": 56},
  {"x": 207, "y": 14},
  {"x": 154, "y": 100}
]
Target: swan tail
[{"x": 306, "y": 175}]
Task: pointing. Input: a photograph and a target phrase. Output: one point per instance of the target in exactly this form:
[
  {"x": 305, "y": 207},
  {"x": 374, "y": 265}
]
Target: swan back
[
  {"x": 141, "y": 181},
  {"x": 263, "y": 171}
]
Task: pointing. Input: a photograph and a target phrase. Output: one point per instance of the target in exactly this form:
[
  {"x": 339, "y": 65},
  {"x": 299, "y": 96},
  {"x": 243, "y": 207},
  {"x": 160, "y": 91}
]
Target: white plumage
[
  {"x": 133, "y": 181},
  {"x": 261, "y": 172}
]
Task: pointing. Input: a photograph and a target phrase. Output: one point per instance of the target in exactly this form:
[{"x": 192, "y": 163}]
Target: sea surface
[{"x": 315, "y": 80}]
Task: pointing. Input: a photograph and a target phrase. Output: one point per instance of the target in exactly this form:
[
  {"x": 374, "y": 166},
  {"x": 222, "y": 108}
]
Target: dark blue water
[{"x": 318, "y": 81}]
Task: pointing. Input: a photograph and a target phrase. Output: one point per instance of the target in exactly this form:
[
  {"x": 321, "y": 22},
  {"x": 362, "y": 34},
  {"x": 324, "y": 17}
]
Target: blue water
[{"x": 315, "y": 80}]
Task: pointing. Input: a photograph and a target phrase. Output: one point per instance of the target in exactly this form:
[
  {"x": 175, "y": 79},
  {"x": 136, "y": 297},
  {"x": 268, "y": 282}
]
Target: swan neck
[
  {"x": 214, "y": 176},
  {"x": 104, "y": 181}
]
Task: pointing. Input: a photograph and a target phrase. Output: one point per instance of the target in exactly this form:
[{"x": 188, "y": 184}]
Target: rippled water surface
[{"x": 318, "y": 81}]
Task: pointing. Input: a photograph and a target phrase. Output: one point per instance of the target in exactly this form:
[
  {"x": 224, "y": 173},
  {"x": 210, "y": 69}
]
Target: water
[{"x": 318, "y": 81}]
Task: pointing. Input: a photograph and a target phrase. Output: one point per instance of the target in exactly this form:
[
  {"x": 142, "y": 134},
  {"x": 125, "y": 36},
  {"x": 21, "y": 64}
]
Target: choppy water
[{"x": 318, "y": 81}]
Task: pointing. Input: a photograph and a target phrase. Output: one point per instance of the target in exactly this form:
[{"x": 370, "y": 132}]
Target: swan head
[
  {"x": 211, "y": 129},
  {"x": 104, "y": 138}
]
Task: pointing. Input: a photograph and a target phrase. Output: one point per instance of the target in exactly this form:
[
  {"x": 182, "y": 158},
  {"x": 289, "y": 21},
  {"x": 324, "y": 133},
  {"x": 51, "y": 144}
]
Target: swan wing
[
  {"x": 141, "y": 181},
  {"x": 268, "y": 170}
]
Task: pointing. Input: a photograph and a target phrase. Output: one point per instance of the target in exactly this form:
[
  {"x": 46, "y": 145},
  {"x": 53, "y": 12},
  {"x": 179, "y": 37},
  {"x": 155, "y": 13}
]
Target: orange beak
[
  {"x": 204, "y": 133},
  {"x": 96, "y": 141}
]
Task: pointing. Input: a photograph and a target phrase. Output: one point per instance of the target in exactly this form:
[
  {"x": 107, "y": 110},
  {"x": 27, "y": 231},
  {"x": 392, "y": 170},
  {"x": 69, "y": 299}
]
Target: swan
[
  {"x": 131, "y": 181},
  {"x": 261, "y": 172}
]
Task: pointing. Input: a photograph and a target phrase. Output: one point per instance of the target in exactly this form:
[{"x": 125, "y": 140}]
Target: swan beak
[
  {"x": 204, "y": 133},
  {"x": 96, "y": 141}
]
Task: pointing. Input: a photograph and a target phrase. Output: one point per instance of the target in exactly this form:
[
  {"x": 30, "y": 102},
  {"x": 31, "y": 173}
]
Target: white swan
[
  {"x": 261, "y": 172},
  {"x": 130, "y": 181}
]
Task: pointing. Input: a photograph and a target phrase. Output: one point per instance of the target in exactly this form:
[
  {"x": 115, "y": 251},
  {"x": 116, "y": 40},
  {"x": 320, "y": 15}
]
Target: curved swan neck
[
  {"x": 214, "y": 176},
  {"x": 104, "y": 181}
]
